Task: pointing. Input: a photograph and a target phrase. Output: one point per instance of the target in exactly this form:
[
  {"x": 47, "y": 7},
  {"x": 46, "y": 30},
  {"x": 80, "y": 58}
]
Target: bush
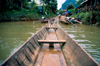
[
  {"x": 60, "y": 12},
  {"x": 82, "y": 15},
  {"x": 18, "y": 15},
  {"x": 72, "y": 11},
  {"x": 50, "y": 15},
  {"x": 86, "y": 18},
  {"x": 70, "y": 7},
  {"x": 83, "y": 10},
  {"x": 33, "y": 15},
  {"x": 22, "y": 16},
  {"x": 98, "y": 19}
]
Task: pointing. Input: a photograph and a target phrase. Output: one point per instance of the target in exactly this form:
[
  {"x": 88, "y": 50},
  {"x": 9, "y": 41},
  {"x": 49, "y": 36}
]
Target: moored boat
[
  {"x": 44, "y": 20},
  {"x": 50, "y": 46}
]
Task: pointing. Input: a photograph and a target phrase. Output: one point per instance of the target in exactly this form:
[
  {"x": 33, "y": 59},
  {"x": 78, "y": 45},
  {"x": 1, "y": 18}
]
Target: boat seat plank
[
  {"x": 51, "y": 27},
  {"x": 52, "y": 41}
]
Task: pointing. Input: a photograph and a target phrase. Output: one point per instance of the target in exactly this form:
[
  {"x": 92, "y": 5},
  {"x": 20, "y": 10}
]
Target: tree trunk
[
  {"x": 21, "y": 5},
  {"x": 11, "y": 2}
]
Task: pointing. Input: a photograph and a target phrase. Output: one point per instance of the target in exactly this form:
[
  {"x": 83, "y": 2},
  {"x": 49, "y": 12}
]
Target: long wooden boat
[
  {"x": 50, "y": 46},
  {"x": 44, "y": 21},
  {"x": 64, "y": 21}
]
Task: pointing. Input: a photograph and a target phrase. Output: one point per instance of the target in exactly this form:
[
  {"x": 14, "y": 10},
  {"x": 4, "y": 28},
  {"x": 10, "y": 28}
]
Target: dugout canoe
[
  {"x": 35, "y": 51},
  {"x": 64, "y": 21},
  {"x": 44, "y": 21}
]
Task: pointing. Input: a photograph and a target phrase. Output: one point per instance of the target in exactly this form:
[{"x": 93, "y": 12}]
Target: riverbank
[
  {"x": 89, "y": 18},
  {"x": 22, "y": 16}
]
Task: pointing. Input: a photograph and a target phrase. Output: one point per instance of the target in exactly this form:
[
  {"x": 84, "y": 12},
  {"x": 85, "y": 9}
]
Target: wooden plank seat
[
  {"x": 52, "y": 41},
  {"x": 51, "y": 27}
]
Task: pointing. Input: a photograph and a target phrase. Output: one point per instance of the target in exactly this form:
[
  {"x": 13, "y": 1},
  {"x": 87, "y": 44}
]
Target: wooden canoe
[
  {"x": 37, "y": 50},
  {"x": 44, "y": 21},
  {"x": 64, "y": 21}
]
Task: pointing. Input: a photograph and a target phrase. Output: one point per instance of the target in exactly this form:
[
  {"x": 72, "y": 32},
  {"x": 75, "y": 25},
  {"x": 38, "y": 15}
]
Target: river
[{"x": 14, "y": 34}]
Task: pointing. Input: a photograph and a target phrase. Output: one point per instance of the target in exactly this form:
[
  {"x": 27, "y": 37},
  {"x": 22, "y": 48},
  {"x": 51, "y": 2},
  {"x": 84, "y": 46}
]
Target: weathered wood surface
[
  {"x": 48, "y": 27},
  {"x": 52, "y": 41},
  {"x": 51, "y": 56}
]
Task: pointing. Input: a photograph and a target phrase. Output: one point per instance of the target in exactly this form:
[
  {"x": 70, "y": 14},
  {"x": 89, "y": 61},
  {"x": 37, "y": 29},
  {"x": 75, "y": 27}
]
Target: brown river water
[{"x": 14, "y": 34}]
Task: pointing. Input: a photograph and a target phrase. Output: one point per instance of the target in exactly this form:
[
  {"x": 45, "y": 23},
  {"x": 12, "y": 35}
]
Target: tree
[
  {"x": 33, "y": 5},
  {"x": 22, "y": 3},
  {"x": 67, "y": 3},
  {"x": 54, "y": 6},
  {"x": 70, "y": 7},
  {"x": 50, "y": 5},
  {"x": 8, "y": 5}
]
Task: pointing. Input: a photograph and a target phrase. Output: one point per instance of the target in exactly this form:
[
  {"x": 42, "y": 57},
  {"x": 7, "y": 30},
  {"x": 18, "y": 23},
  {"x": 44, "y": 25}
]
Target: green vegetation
[
  {"x": 70, "y": 7},
  {"x": 89, "y": 18},
  {"x": 15, "y": 10},
  {"x": 17, "y": 15},
  {"x": 61, "y": 12},
  {"x": 67, "y": 3},
  {"x": 49, "y": 6}
]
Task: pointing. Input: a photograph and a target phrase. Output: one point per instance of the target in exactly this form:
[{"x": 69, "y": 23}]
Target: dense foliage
[
  {"x": 89, "y": 18},
  {"x": 70, "y": 7},
  {"x": 23, "y": 10},
  {"x": 49, "y": 5},
  {"x": 8, "y": 5}
]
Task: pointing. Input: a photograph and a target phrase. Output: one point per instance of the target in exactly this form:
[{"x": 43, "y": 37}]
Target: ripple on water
[
  {"x": 66, "y": 28},
  {"x": 33, "y": 26},
  {"x": 79, "y": 40},
  {"x": 0, "y": 37},
  {"x": 1, "y": 40},
  {"x": 82, "y": 35},
  {"x": 38, "y": 28},
  {"x": 31, "y": 33},
  {"x": 84, "y": 45},
  {"x": 71, "y": 31},
  {"x": 13, "y": 51},
  {"x": 4, "y": 46},
  {"x": 71, "y": 35},
  {"x": 89, "y": 48}
]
